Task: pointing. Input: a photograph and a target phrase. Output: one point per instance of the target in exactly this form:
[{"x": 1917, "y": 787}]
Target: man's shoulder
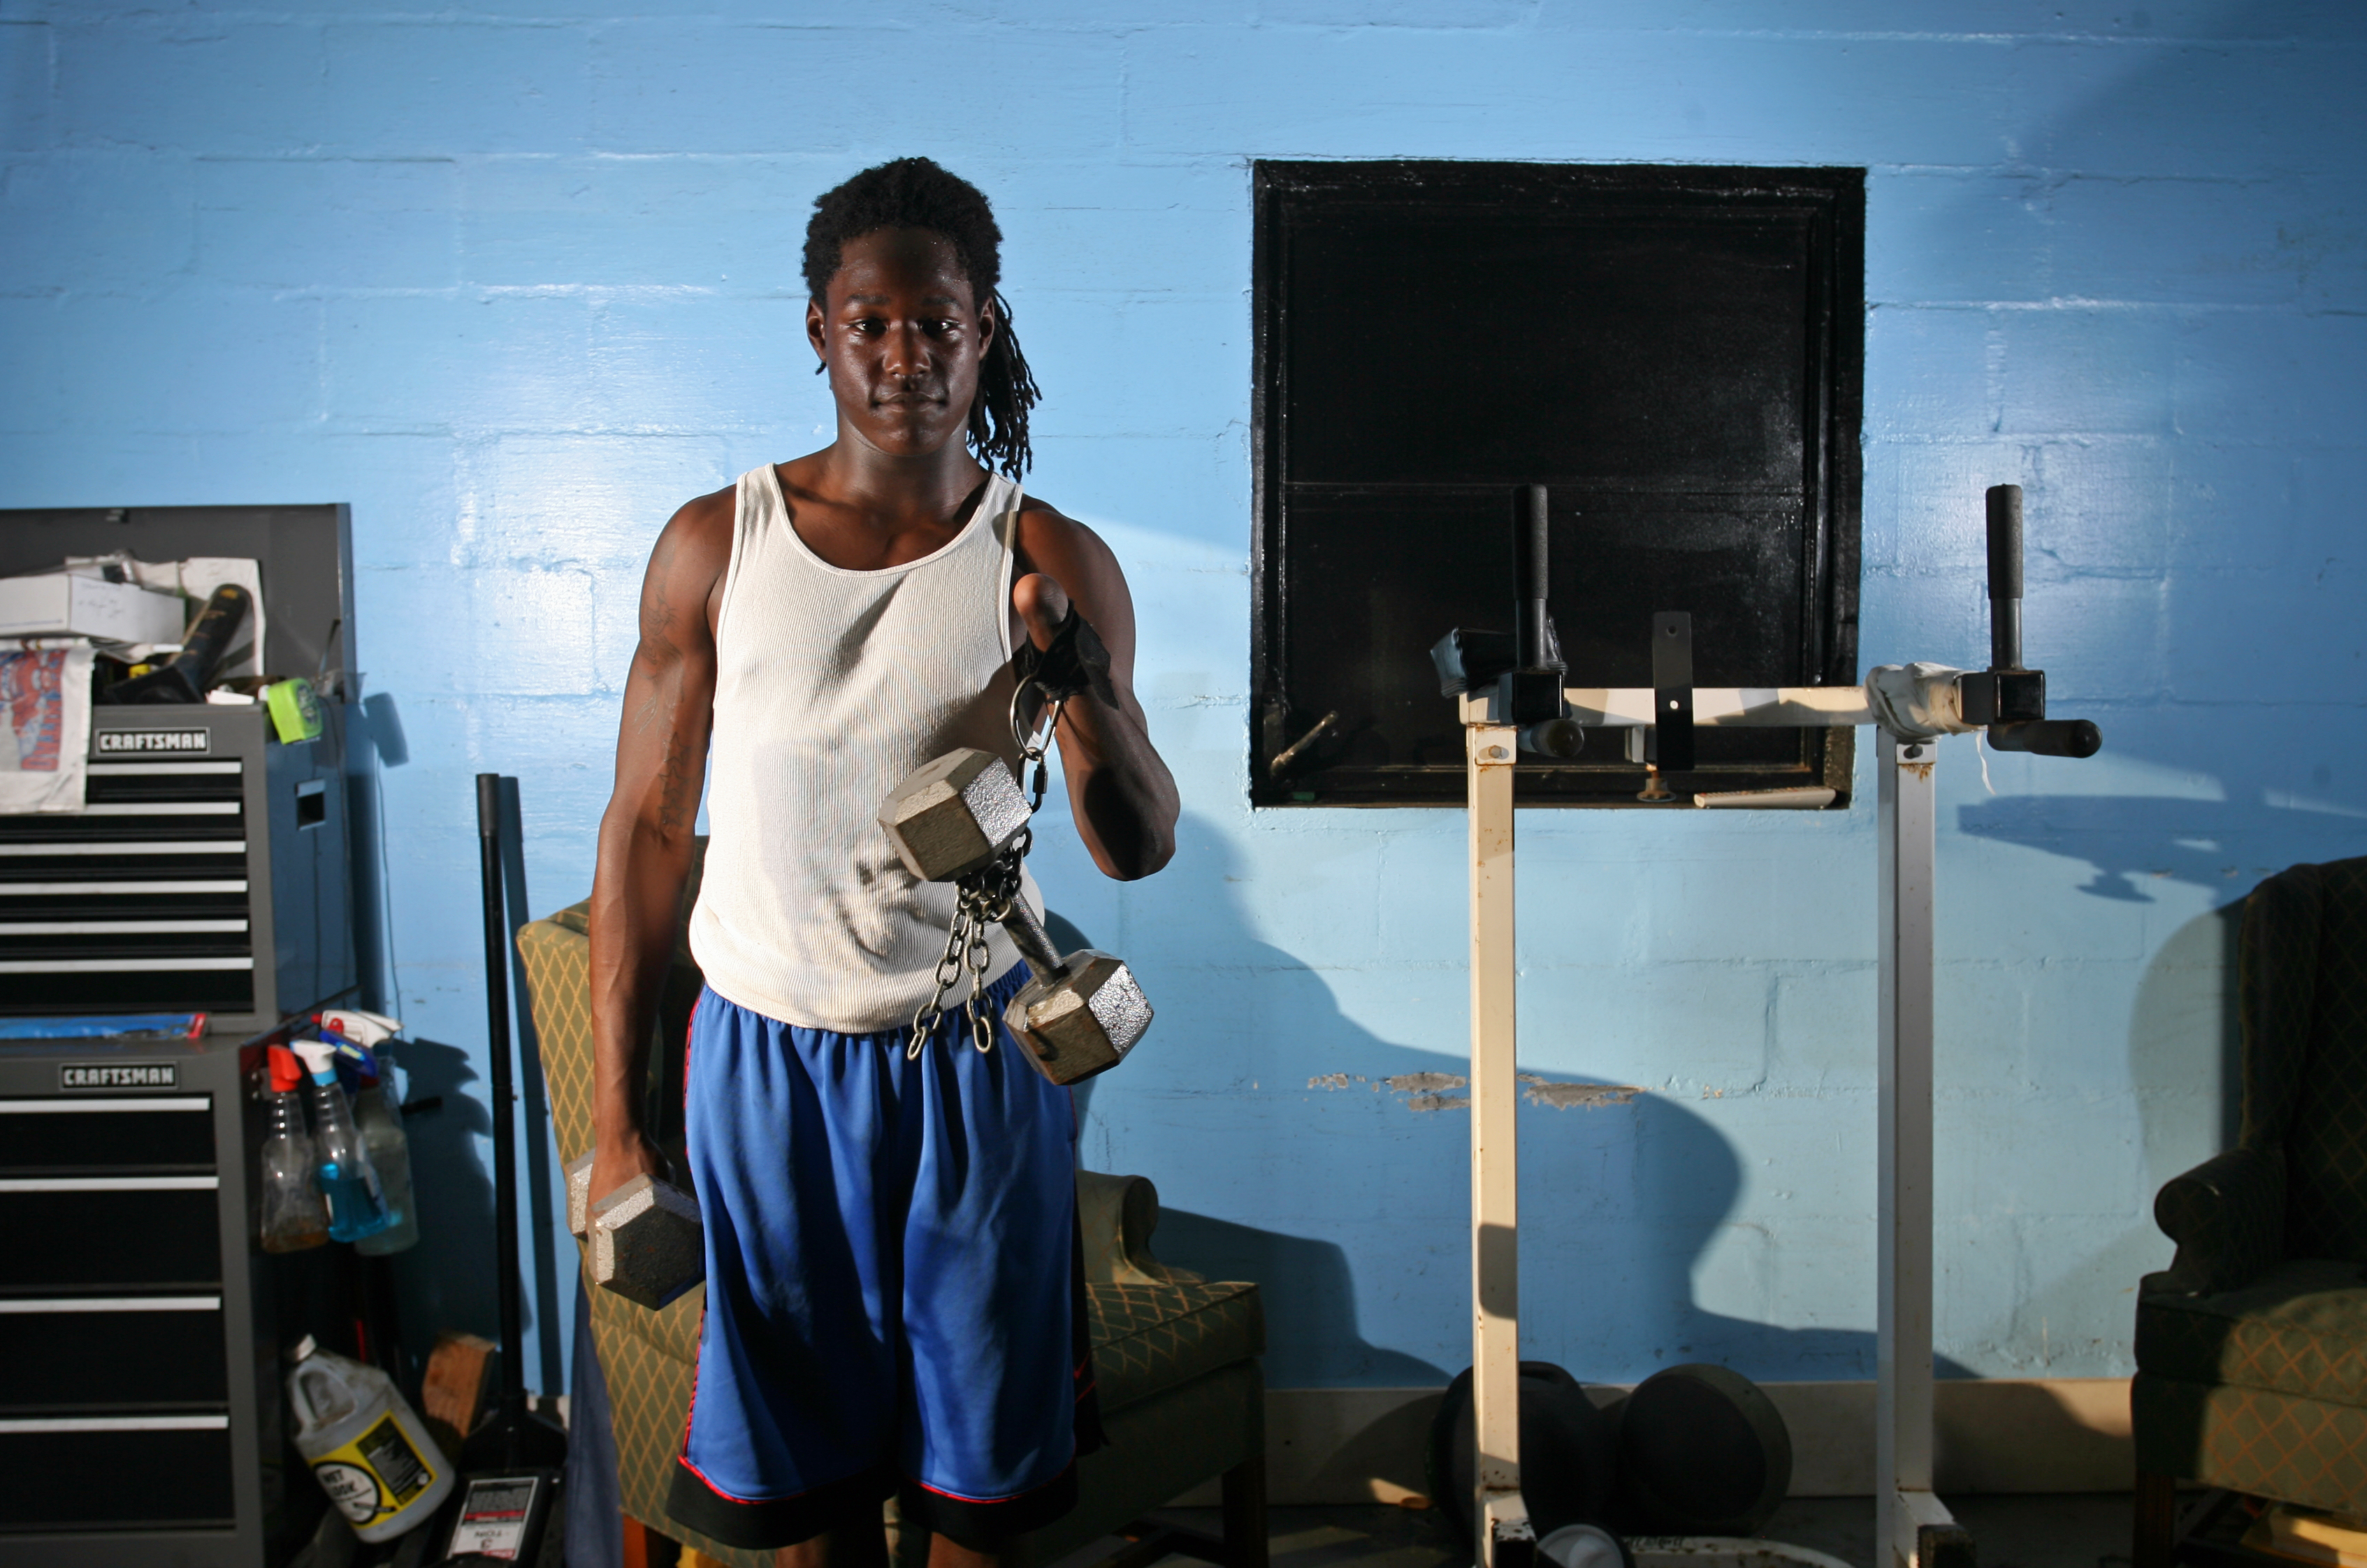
[
  {"x": 705, "y": 520},
  {"x": 715, "y": 509},
  {"x": 1046, "y": 532}
]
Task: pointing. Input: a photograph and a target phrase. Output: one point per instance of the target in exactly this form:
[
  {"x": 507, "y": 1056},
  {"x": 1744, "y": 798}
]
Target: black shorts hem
[
  {"x": 766, "y": 1524},
  {"x": 987, "y": 1526}
]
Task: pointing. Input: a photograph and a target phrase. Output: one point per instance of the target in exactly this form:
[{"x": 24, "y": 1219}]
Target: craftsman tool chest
[
  {"x": 206, "y": 873},
  {"x": 138, "y": 1385}
]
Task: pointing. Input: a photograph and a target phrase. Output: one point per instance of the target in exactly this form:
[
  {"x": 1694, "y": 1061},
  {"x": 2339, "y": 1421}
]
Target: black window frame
[{"x": 1833, "y": 202}]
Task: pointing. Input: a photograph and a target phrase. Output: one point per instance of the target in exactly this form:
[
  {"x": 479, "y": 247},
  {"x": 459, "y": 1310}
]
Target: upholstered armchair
[
  {"x": 1174, "y": 1355},
  {"x": 2253, "y": 1348}
]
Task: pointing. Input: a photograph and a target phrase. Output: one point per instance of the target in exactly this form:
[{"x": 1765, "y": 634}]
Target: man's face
[{"x": 902, "y": 336}]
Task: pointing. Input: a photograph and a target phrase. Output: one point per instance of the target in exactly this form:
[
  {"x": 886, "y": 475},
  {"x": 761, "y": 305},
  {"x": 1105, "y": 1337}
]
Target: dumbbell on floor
[
  {"x": 647, "y": 1242},
  {"x": 1079, "y": 1015}
]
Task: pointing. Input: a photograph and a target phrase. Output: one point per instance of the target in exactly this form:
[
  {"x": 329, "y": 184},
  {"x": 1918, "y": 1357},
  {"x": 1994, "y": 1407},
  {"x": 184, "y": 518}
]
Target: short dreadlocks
[{"x": 915, "y": 193}]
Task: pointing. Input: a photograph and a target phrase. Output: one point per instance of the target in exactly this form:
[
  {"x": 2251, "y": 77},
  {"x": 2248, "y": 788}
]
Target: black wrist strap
[{"x": 1076, "y": 662}]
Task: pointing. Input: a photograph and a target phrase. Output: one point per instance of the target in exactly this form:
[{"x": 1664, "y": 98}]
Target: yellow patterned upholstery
[
  {"x": 2252, "y": 1348},
  {"x": 1174, "y": 1356},
  {"x": 1148, "y": 1338}
]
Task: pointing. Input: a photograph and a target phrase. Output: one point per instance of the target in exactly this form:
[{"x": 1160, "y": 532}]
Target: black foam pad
[{"x": 1702, "y": 1452}]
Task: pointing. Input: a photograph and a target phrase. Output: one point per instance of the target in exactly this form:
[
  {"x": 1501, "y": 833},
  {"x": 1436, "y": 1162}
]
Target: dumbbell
[
  {"x": 1079, "y": 1015},
  {"x": 647, "y": 1242},
  {"x": 952, "y": 817}
]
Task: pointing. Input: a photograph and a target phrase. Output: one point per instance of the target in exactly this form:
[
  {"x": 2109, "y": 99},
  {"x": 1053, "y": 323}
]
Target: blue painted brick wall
[{"x": 516, "y": 278}]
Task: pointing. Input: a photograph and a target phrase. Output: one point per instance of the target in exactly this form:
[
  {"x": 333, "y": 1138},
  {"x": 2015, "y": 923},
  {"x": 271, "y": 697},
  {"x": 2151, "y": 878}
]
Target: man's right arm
[{"x": 645, "y": 837}]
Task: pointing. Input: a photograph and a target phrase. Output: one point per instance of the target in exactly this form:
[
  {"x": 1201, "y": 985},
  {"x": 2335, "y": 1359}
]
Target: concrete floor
[{"x": 2059, "y": 1531}]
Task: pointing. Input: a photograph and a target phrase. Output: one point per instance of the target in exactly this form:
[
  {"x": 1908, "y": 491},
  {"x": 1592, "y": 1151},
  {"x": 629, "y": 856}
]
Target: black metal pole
[
  {"x": 2005, "y": 577},
  {"x": 504, "y": 1107},
  {"x": 513, "y": 1434},
  {"x": 1529, "y": 553}
]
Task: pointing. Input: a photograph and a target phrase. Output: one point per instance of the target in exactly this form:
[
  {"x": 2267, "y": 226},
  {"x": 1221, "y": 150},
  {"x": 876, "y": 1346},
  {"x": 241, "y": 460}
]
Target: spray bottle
[
  {"x": 349, "y": 1182},
  {"x": 293, "y": 1215},
  {"x": 379, "y": 1117}
]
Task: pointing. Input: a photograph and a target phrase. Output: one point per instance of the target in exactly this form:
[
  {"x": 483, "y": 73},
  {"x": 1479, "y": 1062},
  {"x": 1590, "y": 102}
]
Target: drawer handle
[
  {"x": 118, "y": 1424},
  {"x": 110, "y": 1183},
  {"x": 73, "y": 1107},
  {"x": 112, "y": 1303}
]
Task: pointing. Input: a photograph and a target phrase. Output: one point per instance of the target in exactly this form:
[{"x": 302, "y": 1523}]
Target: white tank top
[{"x": 831, "y": 686}]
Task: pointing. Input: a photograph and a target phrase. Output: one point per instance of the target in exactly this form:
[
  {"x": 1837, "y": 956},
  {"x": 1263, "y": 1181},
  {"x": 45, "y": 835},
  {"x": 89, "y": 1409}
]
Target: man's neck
[{"x": 891, "y": 490}]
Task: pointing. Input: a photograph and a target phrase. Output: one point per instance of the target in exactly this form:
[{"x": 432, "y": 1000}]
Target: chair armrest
[
  {"x": 1117, "y": 1215},
  {"x": 2227, "y": 1216}
]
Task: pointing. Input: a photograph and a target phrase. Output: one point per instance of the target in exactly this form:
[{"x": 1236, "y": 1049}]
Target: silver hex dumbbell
[
  {"x": 647, "y": 1242},
  {"x": 952, "y": 817},
  {"x": 1079, "y": 1015}
]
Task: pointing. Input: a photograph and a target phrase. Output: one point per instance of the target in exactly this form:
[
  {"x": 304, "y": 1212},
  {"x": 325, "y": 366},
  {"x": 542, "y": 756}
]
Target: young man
[{"x": 889, "y": 1235}]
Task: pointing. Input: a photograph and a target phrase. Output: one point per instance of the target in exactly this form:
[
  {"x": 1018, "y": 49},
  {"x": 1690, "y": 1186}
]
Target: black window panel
[{"x": 1675, "y": 352}]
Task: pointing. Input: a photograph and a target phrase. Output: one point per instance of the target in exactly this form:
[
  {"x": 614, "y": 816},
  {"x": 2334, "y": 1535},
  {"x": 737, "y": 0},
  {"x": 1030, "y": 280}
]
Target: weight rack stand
[{"x": 1913, "y": 1527}]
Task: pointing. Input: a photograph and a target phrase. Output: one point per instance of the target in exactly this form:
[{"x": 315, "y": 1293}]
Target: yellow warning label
[{"x": 375, "y": 1474}]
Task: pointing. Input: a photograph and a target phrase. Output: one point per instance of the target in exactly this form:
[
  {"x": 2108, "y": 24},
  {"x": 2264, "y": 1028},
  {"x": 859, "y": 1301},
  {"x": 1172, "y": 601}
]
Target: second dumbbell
[{"x": 646, "y": 1240}]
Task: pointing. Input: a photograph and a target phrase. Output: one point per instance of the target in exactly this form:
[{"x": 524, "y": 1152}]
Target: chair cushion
[
  {"x": 1145, "y": 1338},
  {"x": 2253, "y": 1440},
  {"x": 1149, "y": 1338},
  {"x": 2301, "y": 1329}
]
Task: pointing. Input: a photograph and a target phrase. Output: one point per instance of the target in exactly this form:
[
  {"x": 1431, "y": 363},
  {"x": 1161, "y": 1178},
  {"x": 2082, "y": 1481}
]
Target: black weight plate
[
  {"x": 1570, "y": 1451},
  {"x": 1702, "y": 1452}
]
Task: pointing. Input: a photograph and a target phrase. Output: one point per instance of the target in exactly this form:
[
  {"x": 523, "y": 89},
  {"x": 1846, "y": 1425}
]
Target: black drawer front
[
  {"x": 57, "y": 1362},
  {"x": 102, "y": 1481},
  {"x": 162, "y": 990},
  {"x": 65, "y": 1243},
  {"x": 40, "y": 1137}
]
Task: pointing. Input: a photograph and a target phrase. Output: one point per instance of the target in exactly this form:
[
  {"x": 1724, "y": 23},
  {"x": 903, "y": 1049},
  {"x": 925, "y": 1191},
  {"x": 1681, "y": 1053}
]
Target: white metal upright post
[
  {"x": 1912, "y": 1528},
  {"x": 1500, "y": 1519}
]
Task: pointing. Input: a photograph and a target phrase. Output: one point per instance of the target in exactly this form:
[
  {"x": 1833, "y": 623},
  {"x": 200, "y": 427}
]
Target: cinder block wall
[{"x": 515, "y": 279}]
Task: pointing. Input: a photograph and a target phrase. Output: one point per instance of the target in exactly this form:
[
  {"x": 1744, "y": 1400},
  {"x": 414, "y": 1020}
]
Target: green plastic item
[{"x": 295, "y": 711}]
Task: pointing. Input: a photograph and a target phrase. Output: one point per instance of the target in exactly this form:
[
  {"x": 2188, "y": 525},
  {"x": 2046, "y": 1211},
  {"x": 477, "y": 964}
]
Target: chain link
[{"x": 980, "y": 901}]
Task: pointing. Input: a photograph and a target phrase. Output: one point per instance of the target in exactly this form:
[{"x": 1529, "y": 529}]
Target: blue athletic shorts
[{"x": 894, "y": 1296}]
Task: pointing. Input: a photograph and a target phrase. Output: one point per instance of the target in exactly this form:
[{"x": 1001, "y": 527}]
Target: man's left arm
[{"x": 1120, "y": 792}]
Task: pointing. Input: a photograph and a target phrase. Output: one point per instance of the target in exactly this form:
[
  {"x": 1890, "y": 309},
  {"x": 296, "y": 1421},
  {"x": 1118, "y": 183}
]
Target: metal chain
[{"x": 980, "y": 901}]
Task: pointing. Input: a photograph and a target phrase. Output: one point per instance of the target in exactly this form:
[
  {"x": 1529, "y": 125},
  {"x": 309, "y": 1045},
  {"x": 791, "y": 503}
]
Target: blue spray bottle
[{"x": 357, "y": 1201}]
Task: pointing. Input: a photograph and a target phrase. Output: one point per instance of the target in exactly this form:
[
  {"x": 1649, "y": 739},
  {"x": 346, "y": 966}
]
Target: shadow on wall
[
  {"x": 447, "y": 1281},
  {"x": 2129, "y": 841},
  {"x": 1627, "y": 1194}
]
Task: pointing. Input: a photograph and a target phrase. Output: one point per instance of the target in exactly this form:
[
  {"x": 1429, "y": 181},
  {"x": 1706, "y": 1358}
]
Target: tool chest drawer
[
  {"x": 62, "y": 1355},
  {"x": 124, "y": 1134},
  {"x": 115, "y": 1473},
  {"x": 72, "y": 1234}
]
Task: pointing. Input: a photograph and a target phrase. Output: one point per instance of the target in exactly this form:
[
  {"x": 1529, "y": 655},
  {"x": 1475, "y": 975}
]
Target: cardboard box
[{"x": 60, "y": 604}]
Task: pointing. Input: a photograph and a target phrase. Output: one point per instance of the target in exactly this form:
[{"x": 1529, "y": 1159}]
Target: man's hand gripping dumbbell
[
  {"x": 647, "y": 1244},
  {"x": 961, "y": 818}
]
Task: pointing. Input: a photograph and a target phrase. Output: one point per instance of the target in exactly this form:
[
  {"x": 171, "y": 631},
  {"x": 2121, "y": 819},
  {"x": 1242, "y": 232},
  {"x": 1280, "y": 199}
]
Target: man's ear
[
  {"x": 989, "y": 322},
  {"x": 814, "y": 335}
]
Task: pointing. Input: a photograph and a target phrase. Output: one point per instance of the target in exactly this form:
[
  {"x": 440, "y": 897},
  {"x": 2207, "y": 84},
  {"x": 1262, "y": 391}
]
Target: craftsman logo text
[
  {"x": 117, "y": 742},
  {"x": 120, "y": 1075}
]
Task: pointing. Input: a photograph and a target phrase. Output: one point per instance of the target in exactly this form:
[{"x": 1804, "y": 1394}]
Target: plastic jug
[{"x": 366, "y": 1446}]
